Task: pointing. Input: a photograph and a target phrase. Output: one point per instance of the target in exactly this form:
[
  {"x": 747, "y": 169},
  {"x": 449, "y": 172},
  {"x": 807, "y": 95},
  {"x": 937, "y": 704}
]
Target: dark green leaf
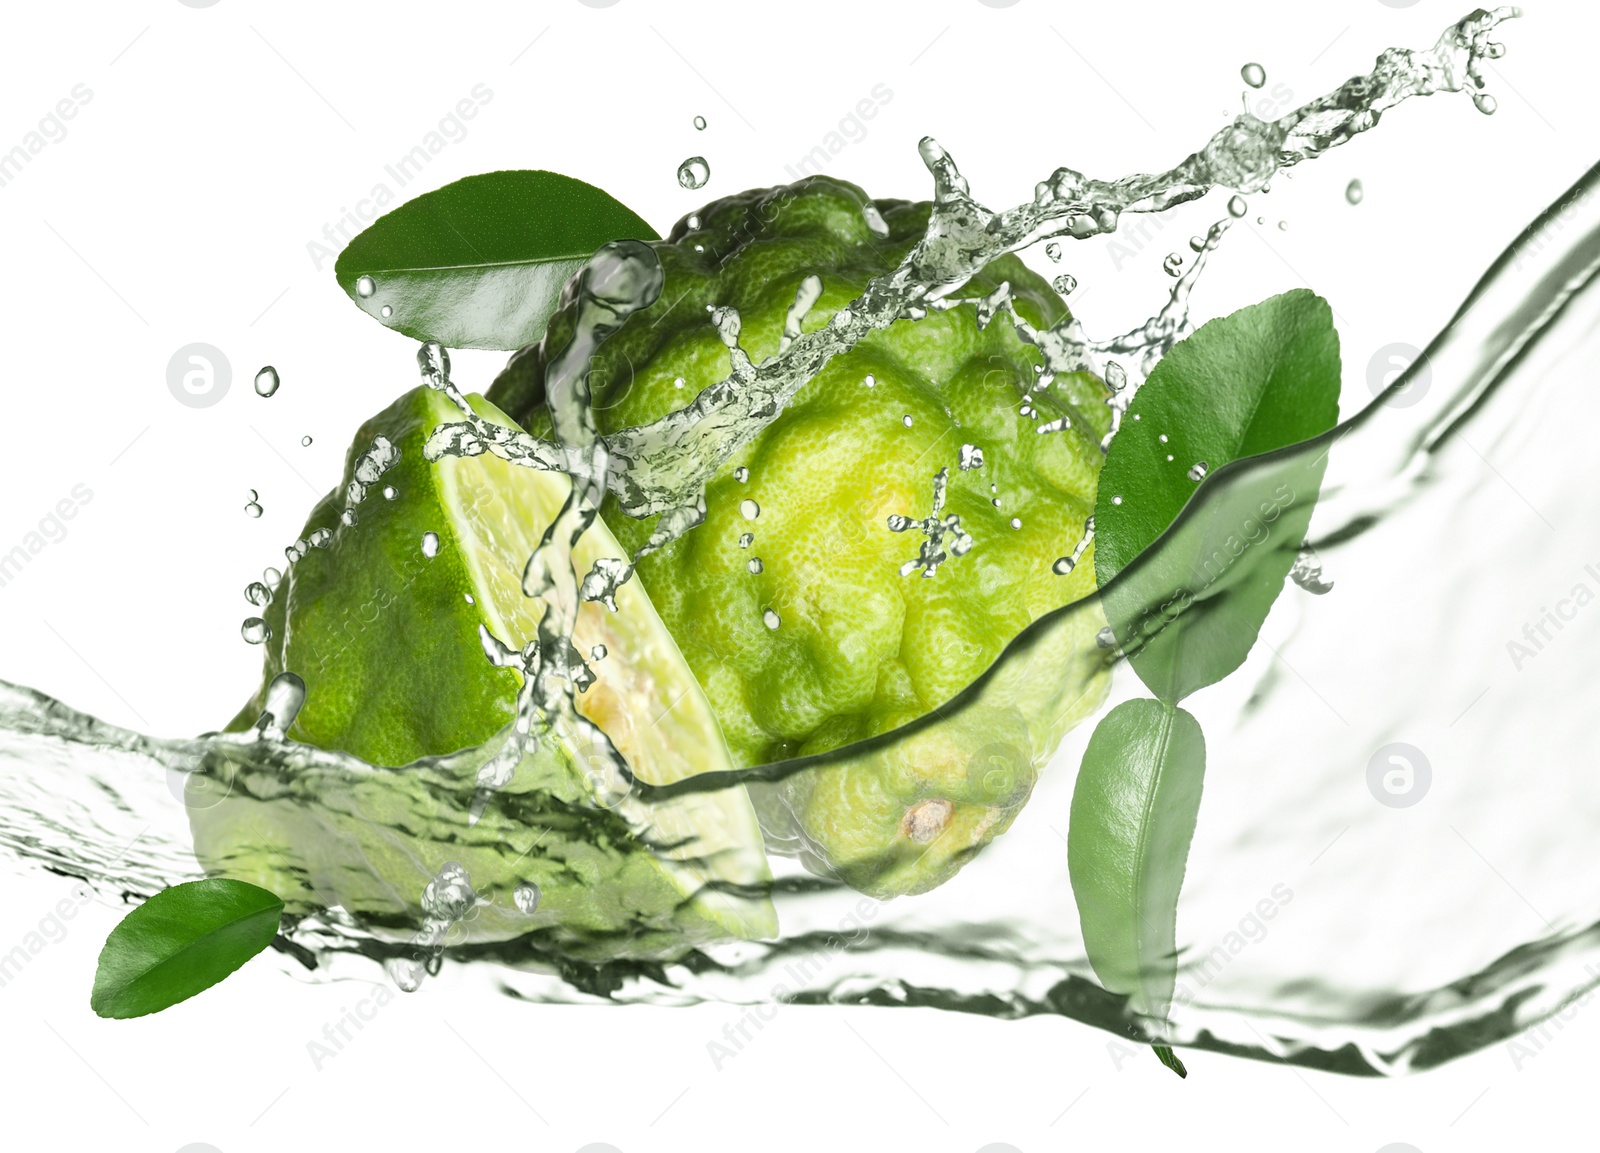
[
  {"x": 480, "y": 263},
  {"x": 1170, "y": 1059},
  {"x": 1133, "y": 816},
  {"x": 180, "y": 942},
  {"x": 1250, "y": 383}
]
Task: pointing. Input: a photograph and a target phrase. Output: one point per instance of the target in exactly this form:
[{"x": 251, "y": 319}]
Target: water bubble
[
  {"x": 869, "y": 380},
  {"x": 679, "y": 382},
  {"x": 1253, "y": 75},
  {"x": 258, "y": 594},
  {"x": 1162, "y": 438},
  {"x": 1116, "y": 500},
  {"x": 694, "y": 172},
  {"x": 365, "y": 286},
  {"x": 430, "y": 544},
  {"x": 741, "y": 474},
  {"x": 389, "y": 492},
  {"x": 598, "y": 653},
  {"x": 755, "y": 566},
  {"x": 1485, "y": 103},
  {"x": 255, "y": 630},
  {"x": 1173, "y": 264},
  {"x": 272, "y": 577},
  {"x": 526, "y": 895},
  {"x": 1283, "y": 226},
  {"x": 771, "y": 619},
  {"x": 1016, "y": 522},
  {"x": 348, "y": 516},
  {"x": 693, "y": 221},
  {"x": 1197, "y": 471},
  {"x": 253, "y": 509},
  {"x": 1053, "y": 251},
  {"x": 906, "y": 420},
  {"x": 1237, "y": 207},
  {"x": 1261, "y": 220},
  {"x": 267, "y": 381},
  {"x": 321, "y": 538},
  {"x": 746, "y": 539},
  {"x": 971, "y": 457},
  {"x": 1064, "y": 283},
  {"x": 305, "y": 442},
  {"x": 700, "y": 123},
  {"x": 749, "y": 508},
  {"x": 1354, "y": 192},
  {"x": 386, "y": 312}
]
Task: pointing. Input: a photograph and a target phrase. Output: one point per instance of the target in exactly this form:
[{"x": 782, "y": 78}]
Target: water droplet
[
  {"x": 1485, "y": 103},
  {"x": 741, "y": 474},
  {"x": 1016, "y": 522},
  {"x": 971, "y": 457},
  {"x": 386, "y": 312},
  {"x": 1053, "y": 251},
  {"x": 305, "y": 442},
  {"x": 1237, "y": 207},
  {"x": 258, "y": 594},
  {"x": 1197, "y": 470},
  {"x": 272, "y": 577},
  {"x": 1162, "y": 438},
  {"x": 1197, "y": 244},
  {"x": 906, "y": 420},
  {"x": 1063, "y": 566},
  {"x": 267, "y": 381},
  {"x": 870, "y": 381},
  {"x": 693, "y": 221},
  {"x": 1116, "y": 500},
  {"x": 348, "y": 517},
  {"x": 755, "y": 566},
  {"x": 771, "y": 619},
  {"x": 746, "y": 539},
  {"x": 1173, "y": 264},
  {"x": 526, "y": 895},
  {"x": 321, "y": 538},
  {"x": 252, "y": 509},
  {"x": 1354, "y": 192},
  {"x": 430, "y": 544},
  {"x": 1253, "y": 75},
  {"x": 255, "y": 631},
  {"x": 469, "y": 598},
  {"x": 598, "y": 653},
  {"x": 1283, "y": 226},
  {"x": 389, "y": 492},
  {"x": 700, "y": 123},
  {"x": 694, "y": 172},
  {"x": 365, "y": 286},
  {"x": 254, "y": 495},
  {"x": 1064, "y": 283},
  {"x": 1105, "y": 638},
  {"x": 1261, "y": 220},
  {"x": 679, "y": 382},
  {"x": 749, "y": 508}
]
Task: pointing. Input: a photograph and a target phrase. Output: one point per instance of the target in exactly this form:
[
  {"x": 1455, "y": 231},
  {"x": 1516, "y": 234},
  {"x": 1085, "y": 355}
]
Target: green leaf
[
  {"x": 1133, "y": 816},
  {"x": 480, "y": 263},
  {"x": 1170, "y": 1059},
  {"x": 180, "y": 942},
  {"x": 1247, "y": 384}
]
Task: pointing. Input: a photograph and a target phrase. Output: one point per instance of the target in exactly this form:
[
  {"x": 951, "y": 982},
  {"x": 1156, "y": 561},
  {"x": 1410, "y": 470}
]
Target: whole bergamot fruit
[
  {"x": 789, "y": 602},
  {"x": 408, "y": 568}
]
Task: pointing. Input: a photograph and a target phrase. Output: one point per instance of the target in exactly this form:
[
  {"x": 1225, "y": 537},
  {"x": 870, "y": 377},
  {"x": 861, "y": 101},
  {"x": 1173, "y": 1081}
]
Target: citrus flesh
[{"x": 387, "y": 640}]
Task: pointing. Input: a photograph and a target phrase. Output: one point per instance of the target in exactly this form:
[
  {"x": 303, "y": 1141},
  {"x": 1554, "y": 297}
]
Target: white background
[{"x": 178, "y": 208}]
